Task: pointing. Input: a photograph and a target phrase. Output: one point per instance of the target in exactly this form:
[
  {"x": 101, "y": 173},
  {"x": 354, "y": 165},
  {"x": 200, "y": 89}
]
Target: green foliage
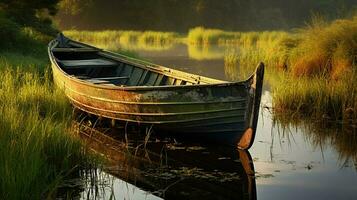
[
  {"x": 16, "y": 38},
  {"x": 73, "y": 7},
  {"x": 9, "y": 32},
  {"x": 34, "y": 13}
]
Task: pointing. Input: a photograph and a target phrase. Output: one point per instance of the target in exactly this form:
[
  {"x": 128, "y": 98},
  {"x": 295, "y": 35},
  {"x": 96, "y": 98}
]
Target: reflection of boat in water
[
  {"x": 126, "y": 89},
  {"x": 176, "y": 171}
]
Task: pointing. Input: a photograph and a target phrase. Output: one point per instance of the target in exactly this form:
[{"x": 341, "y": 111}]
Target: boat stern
[{"x": 255, "y": 91}]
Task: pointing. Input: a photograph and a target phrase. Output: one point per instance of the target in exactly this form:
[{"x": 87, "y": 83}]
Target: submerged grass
[{"x": 37, "y": 151}]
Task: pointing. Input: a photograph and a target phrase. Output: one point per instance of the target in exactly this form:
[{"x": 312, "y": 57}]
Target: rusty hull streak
[{"x": 211, "y": 106}]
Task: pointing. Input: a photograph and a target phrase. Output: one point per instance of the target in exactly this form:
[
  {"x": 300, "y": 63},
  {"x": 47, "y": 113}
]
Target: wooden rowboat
[{"x": 115, "y": 86}]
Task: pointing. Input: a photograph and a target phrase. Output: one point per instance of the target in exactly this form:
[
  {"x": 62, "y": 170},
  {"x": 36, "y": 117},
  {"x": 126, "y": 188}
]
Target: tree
[{"x": 32, "y": 13}]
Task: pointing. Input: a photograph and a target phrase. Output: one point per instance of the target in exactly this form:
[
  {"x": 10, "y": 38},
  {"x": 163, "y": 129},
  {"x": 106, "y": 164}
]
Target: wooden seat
[
  {"x": 103, "y": 78},
  {"x": 91, "y": 50},
  {"x": 112, "y": 78},
  {"x": 97, "y": 81},
  {"x": 88, "y": 63}
]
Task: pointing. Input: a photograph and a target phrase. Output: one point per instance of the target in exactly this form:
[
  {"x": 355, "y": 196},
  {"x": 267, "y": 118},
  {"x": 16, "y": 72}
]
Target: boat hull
[{"x": 226, "y": 109}]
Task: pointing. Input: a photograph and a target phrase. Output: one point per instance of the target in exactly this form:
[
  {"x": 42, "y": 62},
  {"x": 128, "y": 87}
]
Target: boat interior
[{"x": 93, "y": 65}]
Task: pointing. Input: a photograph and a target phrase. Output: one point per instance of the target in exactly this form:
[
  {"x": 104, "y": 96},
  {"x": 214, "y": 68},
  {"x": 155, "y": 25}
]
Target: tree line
[{"x": 181, "y": 15}]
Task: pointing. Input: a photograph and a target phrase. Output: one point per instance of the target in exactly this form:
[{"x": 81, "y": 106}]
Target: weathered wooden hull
[{"x": 225, "y": 108}]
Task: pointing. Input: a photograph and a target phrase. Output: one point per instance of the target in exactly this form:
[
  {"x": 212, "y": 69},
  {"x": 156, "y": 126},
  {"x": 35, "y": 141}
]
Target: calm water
[{"x": 298, "y": 161}]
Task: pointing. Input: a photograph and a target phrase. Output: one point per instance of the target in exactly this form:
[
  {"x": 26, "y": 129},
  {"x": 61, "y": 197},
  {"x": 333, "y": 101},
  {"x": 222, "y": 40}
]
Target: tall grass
[
  {"x": 116, "y": 40},
  {"x": 317, "y": 97},
  {"x": 326, "y": 48},
  {"x": 231, "y": 62},
  {"x": 321, "y": 77},
  {"x": 318, "y": 76},
  {"x": 106, "y": 36},
  {"x": 37, "y": 151},
  {"x": 202, "y": 36},
  {"x": 251, "y": 48}
]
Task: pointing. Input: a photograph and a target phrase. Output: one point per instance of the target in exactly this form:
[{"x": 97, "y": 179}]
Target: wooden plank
[
  {"x": 159, "y": 79},
  {"x": 119, "y": 69},
  {"x": 97, "y": 81},
  {"x": 88, "y": 63},
  {"x": 135, "y": 76},
  {"x": 152, "y": 79},
  {"x": 178, "y": 82},
  {"x": 74, "y": 50},
  {"x": 127, "y": 71},
  {"x": 170, "y": 81},
  {"x": 143, "y": 76},
  {"x": 108, "y": 78}
]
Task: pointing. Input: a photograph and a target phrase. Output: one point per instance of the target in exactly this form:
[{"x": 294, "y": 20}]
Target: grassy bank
[{"x": 38, "y": 154}]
